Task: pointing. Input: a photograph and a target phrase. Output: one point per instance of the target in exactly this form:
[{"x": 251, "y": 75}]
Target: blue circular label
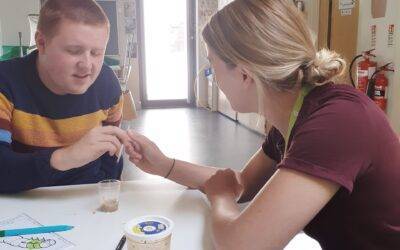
[{"x": 149, "y": 227}]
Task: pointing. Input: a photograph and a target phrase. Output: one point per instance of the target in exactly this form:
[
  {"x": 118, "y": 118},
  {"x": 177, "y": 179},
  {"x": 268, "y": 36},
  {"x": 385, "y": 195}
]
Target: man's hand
[{"x": 90, "y": 147}]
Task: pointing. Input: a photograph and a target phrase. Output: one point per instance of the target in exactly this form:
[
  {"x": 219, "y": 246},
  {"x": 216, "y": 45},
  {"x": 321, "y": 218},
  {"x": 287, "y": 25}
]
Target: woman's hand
[
  {"x": 146, "y": 155},
  {"x": 224, "y": 182}
]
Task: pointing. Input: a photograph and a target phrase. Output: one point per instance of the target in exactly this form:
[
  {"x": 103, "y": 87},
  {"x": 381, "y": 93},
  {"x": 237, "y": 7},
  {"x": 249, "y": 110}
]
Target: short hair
[{"x": 81, "y": 11}]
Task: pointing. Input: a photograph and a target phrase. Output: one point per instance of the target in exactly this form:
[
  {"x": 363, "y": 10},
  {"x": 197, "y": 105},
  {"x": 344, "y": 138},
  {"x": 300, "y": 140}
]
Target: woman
[{"x": 332, "y": 154}]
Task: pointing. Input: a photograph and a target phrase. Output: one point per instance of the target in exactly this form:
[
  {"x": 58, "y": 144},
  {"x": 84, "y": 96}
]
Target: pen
[
  {"x": 119, "y": 154},
  {"x": 34, "y": 230},
  {"x": 121, "y": 243},
  {"x": 121, "y": 150}
]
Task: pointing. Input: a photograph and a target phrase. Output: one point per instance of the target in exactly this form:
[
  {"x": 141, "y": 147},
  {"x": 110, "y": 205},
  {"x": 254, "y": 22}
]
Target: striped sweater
[{"x": 34, "y": 122}]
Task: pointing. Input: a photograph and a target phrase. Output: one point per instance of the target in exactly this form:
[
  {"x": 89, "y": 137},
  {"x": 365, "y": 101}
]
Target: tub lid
[{"x": 151, "y": 227}]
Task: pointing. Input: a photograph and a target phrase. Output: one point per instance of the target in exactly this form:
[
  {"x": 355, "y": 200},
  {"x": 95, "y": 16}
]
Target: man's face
[{"x": 71, "y": 60}]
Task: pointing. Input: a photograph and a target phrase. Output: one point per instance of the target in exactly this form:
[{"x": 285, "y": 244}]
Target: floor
[{"x": 196, "y": 135}]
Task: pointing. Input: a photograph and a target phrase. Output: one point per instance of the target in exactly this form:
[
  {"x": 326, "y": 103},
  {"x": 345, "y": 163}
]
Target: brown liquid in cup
[{"x": 109, "y": 206}]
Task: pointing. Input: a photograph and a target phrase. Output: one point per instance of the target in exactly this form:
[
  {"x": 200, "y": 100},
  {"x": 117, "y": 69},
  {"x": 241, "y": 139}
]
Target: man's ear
[
  {"x": 40, "y": 40},
  {"x": 247, "y": 78}
]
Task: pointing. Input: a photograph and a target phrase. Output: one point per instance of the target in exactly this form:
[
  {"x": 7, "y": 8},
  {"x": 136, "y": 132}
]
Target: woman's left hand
[{"x": 223, "y": 183}]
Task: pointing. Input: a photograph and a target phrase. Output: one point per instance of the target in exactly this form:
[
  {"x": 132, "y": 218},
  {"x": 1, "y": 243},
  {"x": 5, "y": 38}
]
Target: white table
[{"x": 77, "y": 206}]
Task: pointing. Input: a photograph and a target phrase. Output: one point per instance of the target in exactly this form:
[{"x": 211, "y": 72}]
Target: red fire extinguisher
[
  {"x": 378, "y": 86},
  {"x": 365, "y": 69}
]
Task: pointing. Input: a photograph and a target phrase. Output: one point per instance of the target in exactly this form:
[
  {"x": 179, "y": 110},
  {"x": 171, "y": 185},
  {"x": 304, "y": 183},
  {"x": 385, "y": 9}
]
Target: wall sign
[
  {"x": 347, "y": 4},
  {"x": 391, "y": 35},
  {"x": 373, "y": 36},
  {"x": 346, "y": 7}
]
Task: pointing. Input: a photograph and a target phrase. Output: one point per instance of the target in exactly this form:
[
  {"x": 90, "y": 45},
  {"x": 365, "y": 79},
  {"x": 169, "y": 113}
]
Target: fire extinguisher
[
  {"x": 365, "y": 69},
  {"x": 378, "y": 84}
]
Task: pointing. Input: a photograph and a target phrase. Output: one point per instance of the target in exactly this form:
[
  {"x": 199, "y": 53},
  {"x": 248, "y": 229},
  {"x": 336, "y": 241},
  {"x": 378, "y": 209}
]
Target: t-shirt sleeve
[
  {"x": 274, "y": 145},
  {"x": 6, "y": 109},
  {"x": 332, "y": 144},
  {"x": 19, "y": 171},
  {"x": 114, "y": 96},
  {"x": 114, "y": 116}
]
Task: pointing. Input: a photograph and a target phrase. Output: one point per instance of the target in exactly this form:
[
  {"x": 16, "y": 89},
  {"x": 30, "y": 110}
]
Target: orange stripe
[
  {"x": 115, "y": 113},
  {"x": 35, "y": 130},
  {"x": 6, "y": 108}
]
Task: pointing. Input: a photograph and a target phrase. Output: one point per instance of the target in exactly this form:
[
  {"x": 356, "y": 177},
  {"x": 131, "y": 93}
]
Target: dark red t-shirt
[{"x": 342, "y": 136}]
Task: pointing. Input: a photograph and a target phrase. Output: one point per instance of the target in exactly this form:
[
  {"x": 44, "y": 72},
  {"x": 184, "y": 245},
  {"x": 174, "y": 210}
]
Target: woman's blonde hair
[{"x": 271, "y": 40}]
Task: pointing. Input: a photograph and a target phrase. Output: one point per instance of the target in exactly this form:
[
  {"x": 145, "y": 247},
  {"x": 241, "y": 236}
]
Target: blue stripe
[{"x": 5, "y": 136}]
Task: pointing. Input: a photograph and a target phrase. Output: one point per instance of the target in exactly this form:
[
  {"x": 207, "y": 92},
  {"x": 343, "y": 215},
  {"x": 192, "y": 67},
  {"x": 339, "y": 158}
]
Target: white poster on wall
[
  {"x": 391, "y": 36},
  {"x": 373, "y": 36},
  {"x": 346, "y": 12},
  {"x": 347, "y": 4}
]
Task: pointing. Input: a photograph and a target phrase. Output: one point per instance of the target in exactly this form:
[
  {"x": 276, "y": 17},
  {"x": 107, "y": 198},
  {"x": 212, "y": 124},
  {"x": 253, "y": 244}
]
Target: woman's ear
[{"x": 247, "y": 78}]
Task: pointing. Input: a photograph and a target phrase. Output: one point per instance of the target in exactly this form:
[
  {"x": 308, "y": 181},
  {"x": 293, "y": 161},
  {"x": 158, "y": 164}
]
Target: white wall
[
  {"x": 134, "y": 83},
  {"x": 222, "y": 3},
  {"x": 385, "y": 54},
  {"x": 205, "y": 9},
  {"x": 14, "y": 18}
]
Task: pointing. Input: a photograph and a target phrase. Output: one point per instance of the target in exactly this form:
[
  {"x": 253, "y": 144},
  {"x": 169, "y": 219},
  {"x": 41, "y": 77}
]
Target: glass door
[{"x": 166, "y": 52}]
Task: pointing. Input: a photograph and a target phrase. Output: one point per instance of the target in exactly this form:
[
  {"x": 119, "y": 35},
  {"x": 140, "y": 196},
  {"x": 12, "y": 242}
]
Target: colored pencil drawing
[
  {"x": 49, "y": 241},
  {"x": 29, "y": 243}
]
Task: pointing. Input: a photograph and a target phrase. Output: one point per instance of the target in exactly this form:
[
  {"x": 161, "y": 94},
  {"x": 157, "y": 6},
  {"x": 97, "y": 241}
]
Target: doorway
[{"x": 167, "y": 52}]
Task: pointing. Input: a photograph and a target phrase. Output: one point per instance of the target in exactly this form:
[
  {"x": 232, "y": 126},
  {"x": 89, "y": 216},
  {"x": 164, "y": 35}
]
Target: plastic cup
[
  {"x": 109, "y": 195},
  {"x": 149, "y": 232}
]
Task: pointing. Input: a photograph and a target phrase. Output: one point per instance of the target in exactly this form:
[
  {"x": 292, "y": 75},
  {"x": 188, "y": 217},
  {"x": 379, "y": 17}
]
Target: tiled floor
[{"x": 196, "y": 135}]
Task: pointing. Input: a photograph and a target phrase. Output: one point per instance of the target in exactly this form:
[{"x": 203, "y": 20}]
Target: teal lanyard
[{"x": 295, "y": 111}]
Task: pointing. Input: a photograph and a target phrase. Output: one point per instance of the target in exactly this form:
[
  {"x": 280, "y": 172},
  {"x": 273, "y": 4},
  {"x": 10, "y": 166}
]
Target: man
[{"x": 60, "y": 106}]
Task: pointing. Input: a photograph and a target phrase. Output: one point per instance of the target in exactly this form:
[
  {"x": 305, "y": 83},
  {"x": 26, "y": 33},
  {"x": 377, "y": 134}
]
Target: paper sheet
[{"x": 36, "y": 241}]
